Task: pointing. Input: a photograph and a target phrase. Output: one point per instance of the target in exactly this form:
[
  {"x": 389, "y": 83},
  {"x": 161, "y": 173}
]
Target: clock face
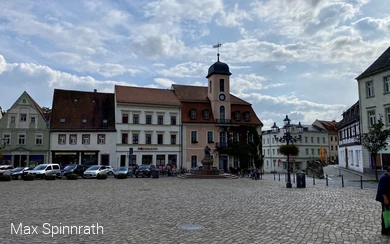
[{"x": 222, "y": 97}]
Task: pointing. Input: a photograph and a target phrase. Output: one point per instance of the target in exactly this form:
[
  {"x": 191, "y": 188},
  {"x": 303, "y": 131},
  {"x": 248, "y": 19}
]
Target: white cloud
[
  {"x": 164, "y": 82},
  {"x": 280, "y": 68}
]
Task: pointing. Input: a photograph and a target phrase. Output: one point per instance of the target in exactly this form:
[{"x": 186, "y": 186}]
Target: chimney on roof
[{"x": 94, "y": 90}]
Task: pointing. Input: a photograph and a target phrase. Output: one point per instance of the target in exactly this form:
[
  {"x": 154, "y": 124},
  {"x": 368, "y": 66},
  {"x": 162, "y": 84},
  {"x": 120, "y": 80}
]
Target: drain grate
[{"x": 191, "y": 227}]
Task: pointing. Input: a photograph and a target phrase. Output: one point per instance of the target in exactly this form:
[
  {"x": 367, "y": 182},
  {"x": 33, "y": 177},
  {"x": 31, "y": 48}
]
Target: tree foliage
[
  {"x": 289, "y": 149},
  {"x": 242, "y": 149},
  {"x": 375, "y": 139}
]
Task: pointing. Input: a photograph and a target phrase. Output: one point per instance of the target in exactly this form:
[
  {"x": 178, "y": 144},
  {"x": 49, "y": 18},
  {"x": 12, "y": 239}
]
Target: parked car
[
  {"x": 73, "y": 169},
  {"x": 17, "y": 172},
  {"x": 5, "y": 168},
  {"x": 94, "y": 170},
  {"x": 45, "y": 169},
  {"x": 110, "y": 170},
  {"x": 145, "y": 170},
  {"x": 124, "y": 170}
]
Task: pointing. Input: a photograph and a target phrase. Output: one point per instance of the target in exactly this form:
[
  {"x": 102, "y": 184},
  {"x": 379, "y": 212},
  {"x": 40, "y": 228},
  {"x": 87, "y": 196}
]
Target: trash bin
[
  {"x": 301, "y": 179},
  {"x": 155, "y": 173}
]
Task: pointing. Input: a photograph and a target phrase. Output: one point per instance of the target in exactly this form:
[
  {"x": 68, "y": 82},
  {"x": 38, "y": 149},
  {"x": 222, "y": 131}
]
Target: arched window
[{"x": 222, "y": 112}]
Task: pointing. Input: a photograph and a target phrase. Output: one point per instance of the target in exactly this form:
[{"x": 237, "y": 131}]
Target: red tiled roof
[
  {"x": 141, "y": 95},
  {"x": 330, "y": 126},
  {"x": 76, "y": 106},
  {"x": 195, "y": 97}
]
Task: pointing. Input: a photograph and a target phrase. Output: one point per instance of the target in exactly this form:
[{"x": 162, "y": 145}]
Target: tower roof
[{"x": 219, "y": 68}]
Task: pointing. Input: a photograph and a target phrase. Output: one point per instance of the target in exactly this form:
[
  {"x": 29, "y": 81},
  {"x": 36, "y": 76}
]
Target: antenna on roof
[{"x": 218, "y": 45}]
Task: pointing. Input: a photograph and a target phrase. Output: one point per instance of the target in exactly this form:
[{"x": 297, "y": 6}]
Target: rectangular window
[
  {"x": 193, "y": 114},
  {"x": 331, "y": 148},
  {"x": 32, "y": 120},
  {"x": 210, "y": 137},
  {"x": 125, "y": 138},
  {"x": 86, "y": 139},
  {"x": 206, "y": 114},
  {"x": 251, "y": 162},
  {"x": 173, "y": 139},
  {"x": 221, "y": 85},
  {"x": 250, "y": 138},
  {"x": 173, "y": 120},
  {"x": 370, "y": 89},
  {"x": 148, "y": 119},
  {"x": 331, "y": 138},
  {"x": 172, "y": 159},
  {"x": 101, "y": 139},
  {"x": 312, "y": 151},
  {"x": 38, "y": 139},
  {"x": 194, "y": 161},
  {"x": 194, "y": 137},
  {"x": 160, "y": 139},
  {"x": 273, "y": 151},
  {"x": 318, "y": 140},
  {"x": 148, "y": 138},
  {"x": 73, "y": 139},
  {"x": 237, "y": 116},
  {"x": 135, "y": 138},
  {"x": 318, "y": 151},
  {"x": 267, "y": 151},
  {"x": 135, "y": 119},
  {"x": 12, "y": 119},
  {"x": 305, "y": 139},
  {"x": 125, "y": 118},
  {"x": 123, "y": 160},
  {"x": 371, "y": 118},
  {"x": 387, "y": 111},
  {"x": 387, "y": 84},
  {"x": 235, "y": 161},
  {"x": 7, "y": 139},
  {"x": 307, "y": 151},
  {"x": 160, "y": 119},
  {"x": 160, "y": 160},
  {"x": 323, "y": 139},
  {"x": 23, "y": 117},
  {"x": 312, "y": 139},
  {"x": 235, "y": 136},
  {"x": 61, "y": 139}
]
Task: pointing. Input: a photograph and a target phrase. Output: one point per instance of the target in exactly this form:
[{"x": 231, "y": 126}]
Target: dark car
[
  {"x": 18, "y": 172},
  {"x": 73, "y": 169},
  {"x": 145, "y": 170}
]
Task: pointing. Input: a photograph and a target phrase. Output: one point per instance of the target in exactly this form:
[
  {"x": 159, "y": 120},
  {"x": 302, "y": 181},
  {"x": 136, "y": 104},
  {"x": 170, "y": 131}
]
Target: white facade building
[
  {"x": 148, "y": 127},
  {"x": 374, "y": 98}
]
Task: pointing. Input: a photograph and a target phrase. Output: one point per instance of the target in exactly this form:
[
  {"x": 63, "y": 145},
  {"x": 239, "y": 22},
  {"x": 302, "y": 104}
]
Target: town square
[{"x": 209, "y": 121}]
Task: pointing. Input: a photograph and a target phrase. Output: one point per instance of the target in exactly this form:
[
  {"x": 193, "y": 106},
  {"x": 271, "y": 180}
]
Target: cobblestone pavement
[{"x": 151, "y": 210}]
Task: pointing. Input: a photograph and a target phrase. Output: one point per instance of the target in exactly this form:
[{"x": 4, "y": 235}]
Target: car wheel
[{"x": 136, "y": 176}]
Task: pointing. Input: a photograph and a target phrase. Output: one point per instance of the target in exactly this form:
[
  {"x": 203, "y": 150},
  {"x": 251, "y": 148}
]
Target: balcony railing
[
  {"x": 223, "y": 121},
  {"x": 221, "y": 145}
]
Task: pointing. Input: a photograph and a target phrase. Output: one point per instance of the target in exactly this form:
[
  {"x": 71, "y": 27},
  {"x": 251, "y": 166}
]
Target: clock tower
[{"x": 219, "y": 90}]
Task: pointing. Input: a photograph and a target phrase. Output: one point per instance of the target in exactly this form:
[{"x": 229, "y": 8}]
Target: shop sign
[
  {"x": 20, "y": 153},
  {"x": 65, "y": 153},
  {"x": 148, "y": 148}
]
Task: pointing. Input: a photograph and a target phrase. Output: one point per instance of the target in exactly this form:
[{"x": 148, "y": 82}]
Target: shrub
[
  {"x": 72, "y": 176},
  {"x": 5, "y": 178},
  {"x": 29, "y": 177},
  {"x": 50, "y": 177},
  {"x": 101, "y": 176},
  {"x": 122, "y": 176}
]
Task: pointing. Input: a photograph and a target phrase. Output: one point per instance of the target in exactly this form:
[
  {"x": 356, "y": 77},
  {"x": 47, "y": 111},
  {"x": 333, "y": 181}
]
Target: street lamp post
[{"x": 287, "y": 138}]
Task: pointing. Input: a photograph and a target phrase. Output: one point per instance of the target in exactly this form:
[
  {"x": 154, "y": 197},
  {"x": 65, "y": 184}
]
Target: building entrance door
[{"x": 223, "y": 163}]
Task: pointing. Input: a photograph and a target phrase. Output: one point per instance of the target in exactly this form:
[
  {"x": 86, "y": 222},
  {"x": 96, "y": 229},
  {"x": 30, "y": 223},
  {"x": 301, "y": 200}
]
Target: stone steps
[{"x": 193, "y": 176}]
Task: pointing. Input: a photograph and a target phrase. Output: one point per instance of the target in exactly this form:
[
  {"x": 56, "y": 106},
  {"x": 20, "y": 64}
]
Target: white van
[{"x": 45, "y": 169}]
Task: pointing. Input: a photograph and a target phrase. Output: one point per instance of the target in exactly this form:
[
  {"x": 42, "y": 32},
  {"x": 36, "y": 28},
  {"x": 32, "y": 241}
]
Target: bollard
[
  {"x": 274, "y": 175},
  {"x": 326, "y": 180},
  {"x": 293, "y": 178},
  {"x": 314, "y": 179},
  {"x": 279, "y": 176},
  {"x": 361, "y": 182},
  {"x": 342, "y": 180}
]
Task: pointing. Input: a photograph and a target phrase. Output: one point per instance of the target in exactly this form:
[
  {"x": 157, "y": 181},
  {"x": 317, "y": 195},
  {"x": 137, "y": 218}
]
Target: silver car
[
  {"x": 124, "y": 170},
  {"x": 94, "y": 170}
]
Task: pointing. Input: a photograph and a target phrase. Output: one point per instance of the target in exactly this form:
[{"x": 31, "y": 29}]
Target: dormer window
[
  {"x": 237, "y": 116},
  {"x": 193, "y": 114},
  {"x": 84, "y": 121},
  {"x": 62, "y": 120},
  {"x": 247, "y": 116},
  {"x": 206, "y": 114},
  {"x": 24, "y": 100}
]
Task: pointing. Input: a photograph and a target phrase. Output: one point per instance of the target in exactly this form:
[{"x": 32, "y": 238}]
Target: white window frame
[
  {"x": 387, "y": 112},
  {"x": 23, "y": 117},
  {"x": 21, "y": 137},
  {"x": 194, "y": 135},
  {"x": 61, "y": 139},
  {"x": 73, "y": 139},
  {"x": 86, "y": 139},
  {"x": 38, "y": 137},
  {"x": 371, "y": 117},
  {"x": 32, "y": 120},
  {"x": 386, "y": 82},
  {"x": 193, "y": 114},
  {"x": 370, "y": 88},
  {"x": 7, "y": 142},
  {"x": 210, "y": 139},
  {"x": 101, "y": 139}
]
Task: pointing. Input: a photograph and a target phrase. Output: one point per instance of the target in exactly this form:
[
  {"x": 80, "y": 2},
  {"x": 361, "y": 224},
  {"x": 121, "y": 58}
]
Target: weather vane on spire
[{"x": 218, "y": 45}]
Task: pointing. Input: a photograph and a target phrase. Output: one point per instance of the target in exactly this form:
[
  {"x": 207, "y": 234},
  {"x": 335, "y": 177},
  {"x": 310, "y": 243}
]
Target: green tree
[
  {"x": 241, "y": 148},
  {"x": 375, "y": 140}
]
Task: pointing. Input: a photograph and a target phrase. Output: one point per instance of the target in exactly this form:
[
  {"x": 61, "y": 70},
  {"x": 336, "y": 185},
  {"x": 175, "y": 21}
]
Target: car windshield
[
  {"x": 122, "y": 169},
  {"x": 96, "y": 167},
  {"x": 17, "y": 169},
  {"x": 40, "y": 167},
  {"x": 70, "y": 167}
]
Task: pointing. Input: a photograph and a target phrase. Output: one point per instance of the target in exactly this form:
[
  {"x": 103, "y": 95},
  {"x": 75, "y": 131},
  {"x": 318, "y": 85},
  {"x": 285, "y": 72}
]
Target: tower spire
[{"x": 218, "y": 45}]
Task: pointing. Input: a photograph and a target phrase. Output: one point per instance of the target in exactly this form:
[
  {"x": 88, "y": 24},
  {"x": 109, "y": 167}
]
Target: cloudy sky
[{"x": 296, "y": 57}]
